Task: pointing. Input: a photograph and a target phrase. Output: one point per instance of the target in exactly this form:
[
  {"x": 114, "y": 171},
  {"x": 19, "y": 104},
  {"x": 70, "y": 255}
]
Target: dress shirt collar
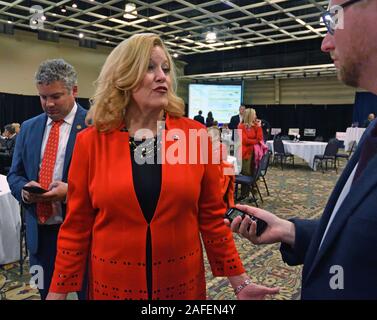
[{"x": 69, "y": 118}]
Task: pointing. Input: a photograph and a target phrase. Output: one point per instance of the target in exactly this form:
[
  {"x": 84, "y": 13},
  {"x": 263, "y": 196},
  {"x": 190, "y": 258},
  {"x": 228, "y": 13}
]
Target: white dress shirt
[
  {"x": 64, "y": 132},
  {"x": 341, "y": 198}
]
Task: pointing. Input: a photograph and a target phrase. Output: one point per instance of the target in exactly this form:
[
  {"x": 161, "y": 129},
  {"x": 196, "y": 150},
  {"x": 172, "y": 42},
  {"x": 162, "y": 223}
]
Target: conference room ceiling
[{"x": 183, "y": 24}]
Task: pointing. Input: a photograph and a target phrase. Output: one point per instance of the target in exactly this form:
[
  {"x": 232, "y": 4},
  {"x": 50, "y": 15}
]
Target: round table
[{"x": 303, "y": 149}]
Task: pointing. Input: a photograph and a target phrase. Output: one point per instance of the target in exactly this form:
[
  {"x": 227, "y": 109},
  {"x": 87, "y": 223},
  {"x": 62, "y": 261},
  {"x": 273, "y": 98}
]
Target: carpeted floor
[{"x": 294, "y": 192}]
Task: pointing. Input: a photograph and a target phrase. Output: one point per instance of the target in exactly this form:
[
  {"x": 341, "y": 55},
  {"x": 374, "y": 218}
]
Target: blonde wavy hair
[
  {"x": 249, "y": 116},
  {"x": 123, "y": 71}
]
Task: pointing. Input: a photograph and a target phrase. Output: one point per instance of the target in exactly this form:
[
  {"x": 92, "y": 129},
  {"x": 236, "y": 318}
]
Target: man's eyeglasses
[{"x": 329, "y": 17}]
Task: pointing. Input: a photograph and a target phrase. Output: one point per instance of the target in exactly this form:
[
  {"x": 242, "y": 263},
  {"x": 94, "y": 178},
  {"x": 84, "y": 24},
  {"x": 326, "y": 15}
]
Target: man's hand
[
  {"x": 278, "y": 230},
  {"x": 29, "y": 197},
  {"x": 57, "y": 192}
]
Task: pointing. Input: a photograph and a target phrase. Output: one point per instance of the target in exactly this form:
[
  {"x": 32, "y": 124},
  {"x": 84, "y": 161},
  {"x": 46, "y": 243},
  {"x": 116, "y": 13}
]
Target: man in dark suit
[
  {"x": 41, "y": 159},
  {"x": 236, "y": 120},
  {"x": 7, "y": 149},
  {"x": 199, "y": 117},
  {"x": 367, "y": 122},
  {"x": 339, "y": 250}
]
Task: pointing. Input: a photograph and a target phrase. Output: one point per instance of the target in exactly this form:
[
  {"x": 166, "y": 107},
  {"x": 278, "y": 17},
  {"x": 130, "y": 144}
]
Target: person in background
[
  {"x": 370, "y": 118},
  {"x": 17, "y": 127},
  {"x": 199, "y": 117},
  {"x": 6, "y": 152},
  {"x": 251, "y": 134},
  {"x": 158, "y": 211},
  {"x": 236, "y": 120},
  {"x": 10, "y": 136},
  {"x": 226, "y": 169},
  {"x": 41, "y": 159},
  {"x": 338, "y": 250},
  {"x": 209, "y": 120}
]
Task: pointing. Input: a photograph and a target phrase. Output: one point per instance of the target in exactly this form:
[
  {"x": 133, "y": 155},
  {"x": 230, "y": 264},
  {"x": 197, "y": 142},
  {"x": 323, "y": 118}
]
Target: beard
[{"x": 350, "y": 73}]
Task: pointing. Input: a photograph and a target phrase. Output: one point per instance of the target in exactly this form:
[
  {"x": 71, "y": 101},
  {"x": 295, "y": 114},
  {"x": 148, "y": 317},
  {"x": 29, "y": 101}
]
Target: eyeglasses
[{"x": 329, "y": 17}]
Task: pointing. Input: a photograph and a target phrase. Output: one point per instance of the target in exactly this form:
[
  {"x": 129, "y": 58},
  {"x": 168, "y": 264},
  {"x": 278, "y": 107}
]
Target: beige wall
[{"x": 20, "y": 55}]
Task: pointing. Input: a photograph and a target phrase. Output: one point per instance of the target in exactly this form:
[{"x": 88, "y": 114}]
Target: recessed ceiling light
[
  {"x": 74, "y": 5},
  {"x": 175, "y": 55},
  {"x": 211, "y": 37},
  {"x": 81, "y": 35},
  {"x": 130, "y": 11}
]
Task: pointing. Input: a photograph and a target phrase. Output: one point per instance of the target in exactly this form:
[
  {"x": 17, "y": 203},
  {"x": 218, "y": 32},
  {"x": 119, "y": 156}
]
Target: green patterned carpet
[{"x": 294, "y": 192}]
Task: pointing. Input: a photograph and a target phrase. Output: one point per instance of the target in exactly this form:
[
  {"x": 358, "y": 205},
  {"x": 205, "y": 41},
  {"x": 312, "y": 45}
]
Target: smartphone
[
  {"x": 34, "y": 189},
  {"x": 234, "y": 212}
]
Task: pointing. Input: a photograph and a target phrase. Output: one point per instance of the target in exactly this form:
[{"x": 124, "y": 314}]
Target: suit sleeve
[
  {"x": 304, "y": 232},
  {"x": 75, "y": 233},
  {"x": 217, "y": 237},
  {"x": 17, "y": 175}
]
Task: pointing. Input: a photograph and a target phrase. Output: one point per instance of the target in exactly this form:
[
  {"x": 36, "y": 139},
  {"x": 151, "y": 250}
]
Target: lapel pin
[{"x": 78, "y": 127}]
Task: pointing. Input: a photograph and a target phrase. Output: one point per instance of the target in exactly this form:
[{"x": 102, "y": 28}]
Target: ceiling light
[
  {"x": 81, "y": 35},
  {"x": 74, "y": 5},
  {"x": 130, "y": 11},
  {"x": 175, "y": 55},
  {"x": 10, "y": 22},
  {"x": 62, "y": 9},
  {"x": 211, "y": 37},
  {"x": 43, "y": 18},
  {"x": 54, "y": 14}
]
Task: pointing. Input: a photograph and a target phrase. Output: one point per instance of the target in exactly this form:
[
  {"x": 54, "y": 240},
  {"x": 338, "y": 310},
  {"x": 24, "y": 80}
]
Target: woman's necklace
[{"x": 145, "y": 150}]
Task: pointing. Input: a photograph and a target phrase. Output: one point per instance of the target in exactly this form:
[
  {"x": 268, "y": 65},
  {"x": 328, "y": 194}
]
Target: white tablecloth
[
  {"x": 352, "y": 134},
  {"x": 10, "y": 224},
  {"x": 303, "y": 149}
]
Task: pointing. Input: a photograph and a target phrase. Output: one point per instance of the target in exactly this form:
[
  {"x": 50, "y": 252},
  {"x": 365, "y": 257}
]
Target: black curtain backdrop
[
  {"x": 365, "y": 103},
  {"x": 326, "y": 119},
  {"x": 18, "y": 108}
]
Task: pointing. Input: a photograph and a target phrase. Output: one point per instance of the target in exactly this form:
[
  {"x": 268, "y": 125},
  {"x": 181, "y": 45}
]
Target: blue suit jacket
[
  {"x": 25, "y": 165},
  {"x": 351, "y": 241}
]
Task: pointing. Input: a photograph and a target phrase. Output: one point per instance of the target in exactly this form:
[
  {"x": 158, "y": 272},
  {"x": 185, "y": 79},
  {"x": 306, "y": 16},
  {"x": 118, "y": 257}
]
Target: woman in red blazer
[
  {"x": 137, "y": 210},
  {"x": 251, "y": 134}
]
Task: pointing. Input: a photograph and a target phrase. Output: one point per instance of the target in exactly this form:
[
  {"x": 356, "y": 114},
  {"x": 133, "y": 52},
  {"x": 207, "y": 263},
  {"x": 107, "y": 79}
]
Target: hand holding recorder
[{"x": 260, "y": 226}]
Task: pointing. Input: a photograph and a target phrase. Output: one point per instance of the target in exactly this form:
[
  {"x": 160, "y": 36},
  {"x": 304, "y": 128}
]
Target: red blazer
[
  {"x": 250, "y": 136},
  {"x": 104, "y": 221}
]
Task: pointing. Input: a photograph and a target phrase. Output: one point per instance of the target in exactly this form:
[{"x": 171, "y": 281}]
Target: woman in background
[{"x": 251, "y": 134}]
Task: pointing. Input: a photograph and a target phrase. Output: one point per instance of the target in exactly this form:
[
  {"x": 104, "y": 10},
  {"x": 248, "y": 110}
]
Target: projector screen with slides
[{"x": 223, "y": 100}]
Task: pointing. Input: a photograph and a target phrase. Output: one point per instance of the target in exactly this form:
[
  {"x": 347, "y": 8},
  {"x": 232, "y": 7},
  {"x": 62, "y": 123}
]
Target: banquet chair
[
  {"x": 280, "y": 154},
  {"x": 329, "y": 155}
]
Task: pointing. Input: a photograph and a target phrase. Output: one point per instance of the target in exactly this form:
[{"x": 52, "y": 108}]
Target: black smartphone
[
  {"x": 34, "y": 189},
  {"x": 232, "y": 213}
]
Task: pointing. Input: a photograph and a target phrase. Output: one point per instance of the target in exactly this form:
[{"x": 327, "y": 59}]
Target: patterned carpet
[{"x": 294, "y": 192}]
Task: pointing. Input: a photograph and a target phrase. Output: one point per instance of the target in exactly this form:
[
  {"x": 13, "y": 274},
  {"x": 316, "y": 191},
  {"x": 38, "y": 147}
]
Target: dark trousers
[{"x": 45, "y": 258}]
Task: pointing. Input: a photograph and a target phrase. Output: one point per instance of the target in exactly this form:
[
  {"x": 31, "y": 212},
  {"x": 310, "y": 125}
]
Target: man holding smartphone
[
  {"x": 41, "y": 161},
  {"x": 338, "y": 251}
]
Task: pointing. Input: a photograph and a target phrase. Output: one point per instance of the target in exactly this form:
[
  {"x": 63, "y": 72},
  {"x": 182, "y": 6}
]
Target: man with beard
[{"x": 339, "y": 251}]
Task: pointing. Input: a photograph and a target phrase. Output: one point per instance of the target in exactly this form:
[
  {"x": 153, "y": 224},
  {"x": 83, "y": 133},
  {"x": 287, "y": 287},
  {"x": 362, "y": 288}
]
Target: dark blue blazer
[
  {"x": 25, "y": 165},
  {"x": 351, "y": 241}
]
